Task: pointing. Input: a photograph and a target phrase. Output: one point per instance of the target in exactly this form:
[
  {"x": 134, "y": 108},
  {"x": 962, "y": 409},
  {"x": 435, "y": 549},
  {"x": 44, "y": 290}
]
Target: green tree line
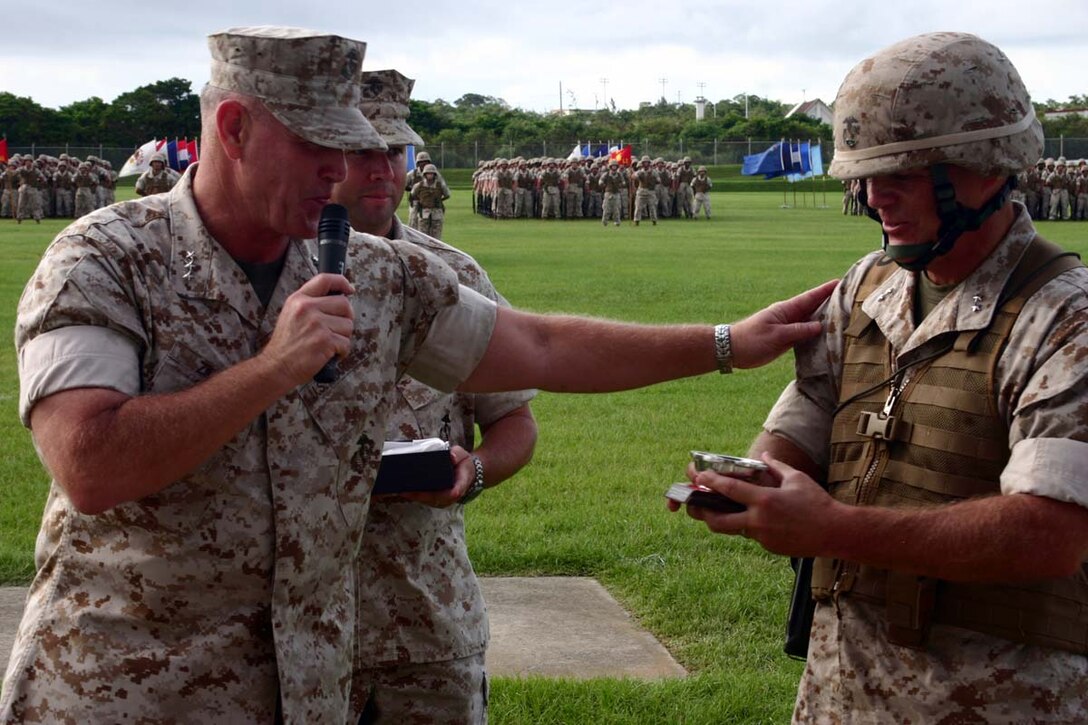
[{"x": 170, "y": 108}]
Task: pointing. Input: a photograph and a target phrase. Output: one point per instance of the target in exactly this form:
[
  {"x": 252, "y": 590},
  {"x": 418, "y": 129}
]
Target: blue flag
[
  {"x": 804, "y": 160},
  {"x": 172, "y": 155},
  {"x": 770, "y": 163},
  {"x": 410, "y": 150},
  {"x": 817, "y": 160}
]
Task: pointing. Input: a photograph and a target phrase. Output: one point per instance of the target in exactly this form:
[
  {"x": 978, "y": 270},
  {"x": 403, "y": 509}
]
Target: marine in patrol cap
[
  {"x": 384, "y": 102},
  {"x": 307, "y": 79}
]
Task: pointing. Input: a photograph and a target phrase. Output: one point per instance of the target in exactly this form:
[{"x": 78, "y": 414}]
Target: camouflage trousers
[
  {"x": 854, "y": 674},
  {"x": 429, "y": 221},
  {"x": 573, "y": 199},
  {"x": 645, "y": 205},
  {"x": 504, "y": 204},
  {"x": 685, "y": 201},
  {"x": 702, "y": 201},
  {"x": 85, "y": 201},
  {"x": 523, "y": 203},
  {"x": 65, "y": 203},
  {"x": 1059, "y": 204},
  {"x": 1082, "y": 207},
  {"x": 664, "y": 201},
  {"x": 550, "y": 204},
  {"x": 7, "y": 209},
  {"x": 29, "y": 203},
  {"x": 439, "y": 693},
  {"x": 612, "y": 208}
]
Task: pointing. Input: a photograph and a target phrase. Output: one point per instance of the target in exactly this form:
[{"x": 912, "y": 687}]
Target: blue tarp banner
[{"x": 770, "y": 163}]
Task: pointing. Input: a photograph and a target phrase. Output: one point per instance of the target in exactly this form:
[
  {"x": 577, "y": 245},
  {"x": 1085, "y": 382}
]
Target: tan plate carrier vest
[{"x": 939, "y": 441}]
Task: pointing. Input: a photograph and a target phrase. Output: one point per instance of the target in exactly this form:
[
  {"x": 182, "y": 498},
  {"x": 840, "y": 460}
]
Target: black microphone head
[{"x": 334, "y": 223}]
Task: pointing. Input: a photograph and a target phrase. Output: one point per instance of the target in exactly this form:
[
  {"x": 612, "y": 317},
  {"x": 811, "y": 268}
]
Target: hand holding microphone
[{"x": 332, "y": 253}]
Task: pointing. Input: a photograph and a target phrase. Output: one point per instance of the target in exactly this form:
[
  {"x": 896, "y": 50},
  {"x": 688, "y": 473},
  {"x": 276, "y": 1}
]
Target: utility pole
[
  {"x": 663, "y": 81},
  {"x": 604, "y": 91}
]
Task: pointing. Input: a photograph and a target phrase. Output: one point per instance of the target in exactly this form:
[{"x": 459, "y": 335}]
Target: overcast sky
[{"x": 523, "y": 51}]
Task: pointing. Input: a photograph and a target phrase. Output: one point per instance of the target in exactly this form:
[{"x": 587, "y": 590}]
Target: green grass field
[{"x": 591, "y": 501}]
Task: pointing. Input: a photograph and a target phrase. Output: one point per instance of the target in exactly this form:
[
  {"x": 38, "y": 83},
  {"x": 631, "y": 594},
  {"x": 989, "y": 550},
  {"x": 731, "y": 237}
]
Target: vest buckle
[{"x": 877, "y": 425}]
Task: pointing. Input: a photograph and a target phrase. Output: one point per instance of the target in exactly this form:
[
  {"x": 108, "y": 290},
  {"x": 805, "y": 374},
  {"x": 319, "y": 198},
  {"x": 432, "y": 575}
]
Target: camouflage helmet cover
[
  {"x": 422, "y": 157},
  {"x": 930, "y": 99},
  {"x": 430, "y": 169}
]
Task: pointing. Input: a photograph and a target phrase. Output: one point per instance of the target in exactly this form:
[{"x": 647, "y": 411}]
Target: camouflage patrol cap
[
  {"x": 308, "y": 80},
  {"x": 934, "y": 98},
  {"x": 384, "y": 102}
]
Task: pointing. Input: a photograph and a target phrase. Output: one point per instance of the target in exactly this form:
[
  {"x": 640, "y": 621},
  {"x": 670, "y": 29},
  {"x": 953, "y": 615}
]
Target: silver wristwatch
[{"x": 477, "y": 486}]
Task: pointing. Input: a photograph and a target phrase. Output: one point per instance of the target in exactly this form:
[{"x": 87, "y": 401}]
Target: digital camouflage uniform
[
  {"x": 155, "y": 183},
  {"x": 426, "y": 198},
  {"x": 549, "y": 187},
  {"x": 1081, "y": 190},
  {"x": 574, "y": 191},
  {"x": 988, "y": 400},
  {"x": 504, "y": 183},
  {"x": 9, "y": 194},
  {"x": 232, "y": 588},
  {"x": 700, "y": 187},
  {"x": 646, "y": 195},
  {"x": 107, "y": 181},
  {"x": 523, "y": 196},
  {"x": 1060, "y": 184},
  {"x": 853, "y": 670},
  {"x": 195, "y": 597},
  {"x": 615, "y": 186},
  {"x": 685, "y": 197},
  {"x": 86, "y": 184},
  {"x": 422, "y": 618},
  {"x": 664, "y": 190},
  {"x": 64, "y": 188},
  {"x": 31, "y": 183}
]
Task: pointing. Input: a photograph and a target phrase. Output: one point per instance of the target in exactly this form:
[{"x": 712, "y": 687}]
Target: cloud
[{"x": 521, "y": 53}]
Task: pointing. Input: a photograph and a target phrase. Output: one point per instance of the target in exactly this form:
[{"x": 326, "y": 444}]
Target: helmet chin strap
[{"x": 955, "y": 220}]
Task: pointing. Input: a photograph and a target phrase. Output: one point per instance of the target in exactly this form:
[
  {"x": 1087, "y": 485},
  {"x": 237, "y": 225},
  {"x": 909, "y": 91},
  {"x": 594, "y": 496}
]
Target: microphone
[{"x": 332, "y": 253}]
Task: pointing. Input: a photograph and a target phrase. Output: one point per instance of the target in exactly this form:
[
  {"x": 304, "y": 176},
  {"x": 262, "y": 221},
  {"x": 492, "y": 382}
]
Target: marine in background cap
[
  {"x": 421, "y": 618},
  {"x": 376, "y": 173}
]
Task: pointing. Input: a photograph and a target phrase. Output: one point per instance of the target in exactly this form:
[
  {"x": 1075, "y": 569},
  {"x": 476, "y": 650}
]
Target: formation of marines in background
[
  {"x": 48, "y": 186},
  {"x": 1053, "y": 190},
  {"x": 593, "y": 188}
]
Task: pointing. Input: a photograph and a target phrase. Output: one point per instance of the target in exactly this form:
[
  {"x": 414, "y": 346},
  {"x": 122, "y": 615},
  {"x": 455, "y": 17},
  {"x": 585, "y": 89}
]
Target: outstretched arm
[{"x": 577, "y": 354}]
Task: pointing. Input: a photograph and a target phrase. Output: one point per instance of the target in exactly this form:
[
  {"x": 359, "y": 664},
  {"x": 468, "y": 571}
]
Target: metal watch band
[
  {"x": 477, "y": 483},
  {"x": 723, "y": 349}
]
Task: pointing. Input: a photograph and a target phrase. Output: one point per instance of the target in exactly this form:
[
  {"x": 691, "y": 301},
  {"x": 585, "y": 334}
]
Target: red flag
[
  {"x": 193, "y": 158},
  {"x": 622, "y": 156},
  {"x": 3, "y": 149}
]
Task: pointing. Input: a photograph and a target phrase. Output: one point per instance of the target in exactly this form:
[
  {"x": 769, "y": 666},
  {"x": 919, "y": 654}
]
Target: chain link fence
[
  {"x": 711, "y": 153},
  {"x": 466, "y": 156}
]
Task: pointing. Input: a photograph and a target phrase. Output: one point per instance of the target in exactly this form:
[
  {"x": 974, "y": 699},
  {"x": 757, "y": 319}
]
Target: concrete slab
[
  {"x": 540, "y": 626},
  {"x": 568, "y": 627},
  {"x": 11, "y": 611}
]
